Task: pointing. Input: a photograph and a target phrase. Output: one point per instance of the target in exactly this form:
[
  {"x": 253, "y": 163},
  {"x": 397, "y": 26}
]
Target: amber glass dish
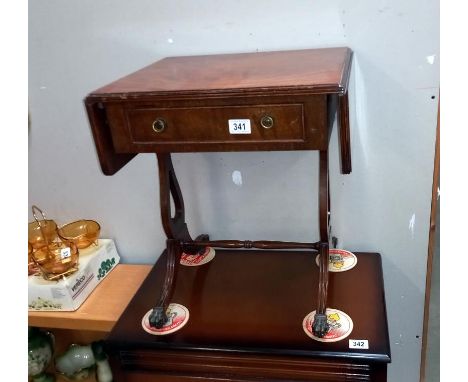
[
  {"x": 41, "y": 233},
  {"x": 60, "y": 259},
  {"x": 32, "y": 267},
  {"x": 82, "y": 232}
]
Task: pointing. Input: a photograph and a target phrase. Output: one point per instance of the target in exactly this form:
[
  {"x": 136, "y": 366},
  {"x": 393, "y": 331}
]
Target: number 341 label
[
  {"x": 239, "y": 126},
  {"x": 359, "y": 344}
]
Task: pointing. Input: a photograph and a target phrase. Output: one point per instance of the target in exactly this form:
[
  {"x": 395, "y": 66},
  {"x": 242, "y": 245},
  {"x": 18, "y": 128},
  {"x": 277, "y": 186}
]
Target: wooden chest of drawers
[{"x": 246, "y": 323}]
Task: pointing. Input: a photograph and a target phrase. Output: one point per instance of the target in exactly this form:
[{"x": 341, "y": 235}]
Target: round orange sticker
[
  {"x": 340, "y": 323},
  {"x": 178, "y": 317}
]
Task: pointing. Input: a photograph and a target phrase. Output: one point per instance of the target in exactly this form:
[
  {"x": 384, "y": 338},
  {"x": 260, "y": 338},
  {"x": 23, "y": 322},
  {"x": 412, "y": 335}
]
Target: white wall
[{"x": 78, "y": 46}]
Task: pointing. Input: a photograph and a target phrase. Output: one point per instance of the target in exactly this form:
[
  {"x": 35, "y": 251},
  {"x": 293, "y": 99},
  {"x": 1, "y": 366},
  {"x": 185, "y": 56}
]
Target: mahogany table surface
[
  {"x": 249, "y": 301},
  {"x": 323, "y": 69}
]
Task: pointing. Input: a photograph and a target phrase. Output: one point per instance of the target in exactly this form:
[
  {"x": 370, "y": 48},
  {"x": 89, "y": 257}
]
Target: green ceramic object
[
  {"x": 40, "y": 351},
  {"x": 79, "y": 361}
]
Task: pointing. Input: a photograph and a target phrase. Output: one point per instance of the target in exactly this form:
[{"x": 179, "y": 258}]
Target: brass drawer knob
[
  {"x": 159, "y": 125},
  {"x": 267, "y": 122}
]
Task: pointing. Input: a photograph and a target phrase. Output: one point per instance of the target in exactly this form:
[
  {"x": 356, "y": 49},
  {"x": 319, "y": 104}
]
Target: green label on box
[{"x": 106, "y": 266}]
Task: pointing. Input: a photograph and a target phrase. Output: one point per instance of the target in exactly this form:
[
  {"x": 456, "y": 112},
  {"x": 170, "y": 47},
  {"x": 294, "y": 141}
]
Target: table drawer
[
  {"x": 201, "y": 126},
  {"x": 210, "y": 124}
]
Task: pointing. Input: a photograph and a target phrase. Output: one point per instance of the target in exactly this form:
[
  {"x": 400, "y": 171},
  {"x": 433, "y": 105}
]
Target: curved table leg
[
  {"x": 176, "y": 231},
  {"x": 320, "y": 326},
  {"x": 158, "y": 316}
]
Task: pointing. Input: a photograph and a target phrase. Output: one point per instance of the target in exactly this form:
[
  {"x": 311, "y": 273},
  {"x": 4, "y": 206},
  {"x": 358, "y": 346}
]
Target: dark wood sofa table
[
  {"x": 246, "y": 310},
  {"x": 246, "y": 306}
]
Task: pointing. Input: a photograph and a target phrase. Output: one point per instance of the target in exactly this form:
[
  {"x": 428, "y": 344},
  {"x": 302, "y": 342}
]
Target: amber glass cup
[
  {"x": 60, "y": 259},
  {"x": 41, "y": 233},
  {"x": 82, "y": 233}
]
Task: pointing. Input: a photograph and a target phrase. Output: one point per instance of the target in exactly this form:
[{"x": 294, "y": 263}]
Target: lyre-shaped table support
[
  {"x": 176, "y": 231},
  {"x": 179, "y": 240}
]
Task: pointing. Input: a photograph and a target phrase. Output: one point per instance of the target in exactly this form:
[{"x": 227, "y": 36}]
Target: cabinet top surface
[
  {"x": 316, "y": 70},
  {"x": 255, "y": 301}
]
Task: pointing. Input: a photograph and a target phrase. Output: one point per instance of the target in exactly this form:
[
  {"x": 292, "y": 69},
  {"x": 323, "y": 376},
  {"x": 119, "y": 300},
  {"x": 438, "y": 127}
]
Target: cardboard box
[{"x": 68, "y": 293}]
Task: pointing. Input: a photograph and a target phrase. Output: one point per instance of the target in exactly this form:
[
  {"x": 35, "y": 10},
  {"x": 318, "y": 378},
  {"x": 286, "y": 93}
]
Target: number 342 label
[
  {"x": 239, "y": 126},
  {"x": 359, "y": 344}
]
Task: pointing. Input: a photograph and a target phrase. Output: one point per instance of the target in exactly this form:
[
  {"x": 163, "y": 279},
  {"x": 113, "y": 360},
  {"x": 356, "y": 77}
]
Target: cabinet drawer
[
  {"x": 142, "y": 365},
  {"x": 203, "y": 126}
]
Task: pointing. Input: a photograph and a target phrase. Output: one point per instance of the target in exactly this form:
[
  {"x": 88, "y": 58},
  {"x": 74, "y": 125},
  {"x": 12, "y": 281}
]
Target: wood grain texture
[
  {"x": 104, "y": 305},
  {"x": 316, "y": 70}
]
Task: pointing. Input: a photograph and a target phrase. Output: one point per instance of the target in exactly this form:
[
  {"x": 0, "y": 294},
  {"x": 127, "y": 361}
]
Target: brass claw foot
[
  {"x": 158, "y": 318},
  {"x": 320, "y": 325}
]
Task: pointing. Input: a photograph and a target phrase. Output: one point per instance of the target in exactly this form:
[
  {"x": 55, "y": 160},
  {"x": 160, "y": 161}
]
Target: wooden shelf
[{"x": 103, "y": 307}]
